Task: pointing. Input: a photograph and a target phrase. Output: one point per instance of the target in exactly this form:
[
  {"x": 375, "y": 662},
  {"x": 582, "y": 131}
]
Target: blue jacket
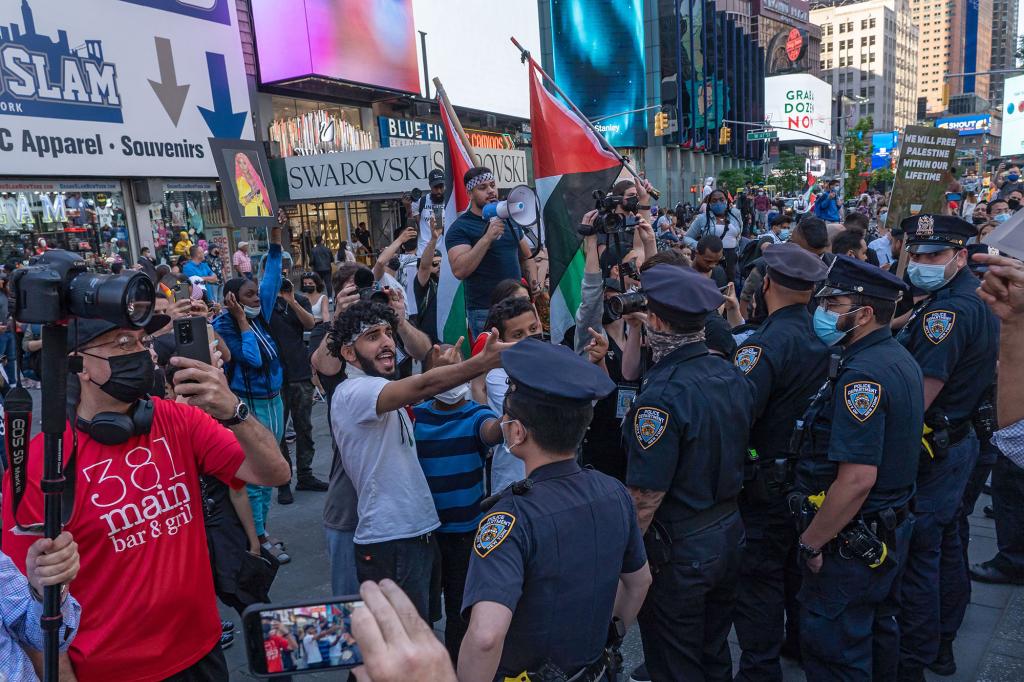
[
  {"x": 825, "y": 208},
  {"x": 255, "y": 367}
]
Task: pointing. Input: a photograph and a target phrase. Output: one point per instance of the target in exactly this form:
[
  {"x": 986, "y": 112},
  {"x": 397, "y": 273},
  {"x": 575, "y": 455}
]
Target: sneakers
[
  {"x": 640, "y": 674},
  {"x": 226, "y": 640},
  {"x": 311, "y": 483},
  {"x": 944, "y": 664},
  {"x": 289, "y": 436},
  {"x": 284, "y": 494},
  {"x": 989, "y": 572},
  {"x": 227, "y": 626}
]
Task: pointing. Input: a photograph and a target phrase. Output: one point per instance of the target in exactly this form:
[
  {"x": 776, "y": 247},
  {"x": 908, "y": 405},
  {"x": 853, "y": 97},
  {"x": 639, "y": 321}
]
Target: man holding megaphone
[{"x": 485, "y": 246}]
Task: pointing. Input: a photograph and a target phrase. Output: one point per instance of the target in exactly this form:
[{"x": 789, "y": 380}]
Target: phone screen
[{"x": 283, "y": 639}]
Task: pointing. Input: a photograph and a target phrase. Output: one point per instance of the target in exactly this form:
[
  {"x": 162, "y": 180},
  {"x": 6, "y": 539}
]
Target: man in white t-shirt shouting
[{"x": 374, "y": 432}]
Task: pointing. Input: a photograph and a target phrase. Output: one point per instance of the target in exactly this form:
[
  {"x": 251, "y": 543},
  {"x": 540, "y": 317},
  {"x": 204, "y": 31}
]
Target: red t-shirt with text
[
  {"x": 273, "y": 646},
  {"x": 148, "y": 605}
]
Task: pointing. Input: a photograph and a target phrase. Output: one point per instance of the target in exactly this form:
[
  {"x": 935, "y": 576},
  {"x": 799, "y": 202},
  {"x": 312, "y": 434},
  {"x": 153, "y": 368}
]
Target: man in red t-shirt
[
  {"x": 148, "y": 605},
  {"x": 274, "y": 644}
]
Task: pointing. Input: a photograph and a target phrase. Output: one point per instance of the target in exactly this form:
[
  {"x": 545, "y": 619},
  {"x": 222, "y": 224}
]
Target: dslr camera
[
  {"x": 608, "y": 220},
  {"x": 56, "y": 286},
  {"x": 624, "y": 304}
]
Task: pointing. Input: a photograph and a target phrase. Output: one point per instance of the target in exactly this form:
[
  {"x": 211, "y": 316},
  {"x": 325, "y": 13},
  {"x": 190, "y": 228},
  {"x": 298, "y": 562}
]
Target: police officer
[
  {"x": 786, "y": 363},
  {"x": 551, "y": 553},
  {"x": 954, "y": 338},
  {"x": 853, "y": 443},
  {"x": 686, "y": 439}
]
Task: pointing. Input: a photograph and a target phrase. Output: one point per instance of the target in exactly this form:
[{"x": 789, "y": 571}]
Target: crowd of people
[{"x": 721, "y": 440}]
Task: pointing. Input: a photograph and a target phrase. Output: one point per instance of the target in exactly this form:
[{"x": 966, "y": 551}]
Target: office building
[
  {"x": 1004, "y": 45},
  {"x": 955, "y": 36}
]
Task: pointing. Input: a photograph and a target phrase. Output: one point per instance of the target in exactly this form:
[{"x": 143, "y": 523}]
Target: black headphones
[{"x": 114, "y": 428}]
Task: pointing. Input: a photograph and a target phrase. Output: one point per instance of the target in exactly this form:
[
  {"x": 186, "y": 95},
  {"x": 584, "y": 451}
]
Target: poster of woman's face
[{"x": 246, "y": 183}]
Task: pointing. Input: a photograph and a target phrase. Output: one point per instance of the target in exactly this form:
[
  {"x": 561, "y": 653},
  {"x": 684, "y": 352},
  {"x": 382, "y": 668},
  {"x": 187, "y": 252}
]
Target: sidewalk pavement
[{"x": 990, "y": 647}]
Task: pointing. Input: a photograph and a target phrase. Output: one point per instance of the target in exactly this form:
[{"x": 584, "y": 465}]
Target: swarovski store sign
[{"x": 379, "y": 172}]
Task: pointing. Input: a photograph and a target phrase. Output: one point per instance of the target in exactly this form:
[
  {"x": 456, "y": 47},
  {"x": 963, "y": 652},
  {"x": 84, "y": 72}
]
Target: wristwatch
[
  {"x": 241, "y": 414},
  {"x": 807, "y": 552}
]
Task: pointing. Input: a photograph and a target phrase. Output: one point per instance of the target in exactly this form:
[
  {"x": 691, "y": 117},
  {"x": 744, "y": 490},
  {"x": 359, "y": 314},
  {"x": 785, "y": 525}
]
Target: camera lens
[
  {"x": 126, "y": 299},
  {"x": 624, "y": 304}
]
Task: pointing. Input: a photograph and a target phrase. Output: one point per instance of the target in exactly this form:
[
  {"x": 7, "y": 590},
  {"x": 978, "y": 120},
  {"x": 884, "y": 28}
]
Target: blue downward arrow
[{"x": 221, "y": 120}]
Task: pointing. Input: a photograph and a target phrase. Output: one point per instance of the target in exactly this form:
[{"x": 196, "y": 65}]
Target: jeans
[
  {"x": 213, "y": 291},
  {"x": 687, "y": 614},
  {"x": 342, "y": 554},
  {"x": 269, "y": 413},
  {"x": 7, "y": 347},
  {"x": 936, "y": 571},
  {"x": 408, "y": 562},
  {"x": 1007, "y": 493},
  {"x": 297, "y": 398},
  {"x": 477, "y": 320},
  {"x": 455, "y": 549}
]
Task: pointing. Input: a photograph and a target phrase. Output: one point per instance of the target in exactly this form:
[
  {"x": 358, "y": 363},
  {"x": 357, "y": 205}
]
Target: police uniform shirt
[
  {"x": 876, "y": 402},
  {"x": 955, "y": 337},
  {"x": 687, "y": 432},
  {"x": 545, "y": 554},
  {"x": 786, "y": 363}
]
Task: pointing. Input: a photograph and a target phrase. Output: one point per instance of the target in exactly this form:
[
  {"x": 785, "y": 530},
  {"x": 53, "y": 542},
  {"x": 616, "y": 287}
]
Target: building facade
[
  {"x": 955, "y": 36},
  {"x": 1004, "y": 45},
  {"x": 869, "y": 54}
]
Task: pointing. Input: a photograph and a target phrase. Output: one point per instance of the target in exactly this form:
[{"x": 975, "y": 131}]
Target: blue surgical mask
[
  {"x": 1013, "y": 177},
  {"x": 881, "y": 218},
  {"x": 1001, "y": 218},
  {"x": 826, "y": 325},
  {"x": 784, "y": 235},
  {"x": 718, "y": 208},
  {"x": 251, "y": 312},
  {"x": 928, "y": 277}
]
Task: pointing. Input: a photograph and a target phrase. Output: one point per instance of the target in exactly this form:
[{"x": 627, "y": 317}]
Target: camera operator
[
  {"x": 482, "y": 254},
  {"x": 629, "y": 201},
  {"x": 135, "y": 464}
]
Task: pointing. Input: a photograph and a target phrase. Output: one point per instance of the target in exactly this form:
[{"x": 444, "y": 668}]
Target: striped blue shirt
[{"x": 452, "y": 454}]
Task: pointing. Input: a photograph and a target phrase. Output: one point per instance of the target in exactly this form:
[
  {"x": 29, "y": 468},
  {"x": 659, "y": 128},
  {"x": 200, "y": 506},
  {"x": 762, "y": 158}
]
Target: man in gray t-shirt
[{"x": 374, "y": 433}]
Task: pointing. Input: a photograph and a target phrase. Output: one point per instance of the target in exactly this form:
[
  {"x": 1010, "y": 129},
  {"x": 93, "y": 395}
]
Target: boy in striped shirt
[{"x": 454, "y": 436}]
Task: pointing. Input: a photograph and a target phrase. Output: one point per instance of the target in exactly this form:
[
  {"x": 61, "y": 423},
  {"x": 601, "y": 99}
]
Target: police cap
[
  {"x": 793, "y": 267},
  {"x": 680, "y": 291},
  {"x": 928, "y": 232},
  {"x": 553, "y": 374},
  {"x": 849, "y": 276}
]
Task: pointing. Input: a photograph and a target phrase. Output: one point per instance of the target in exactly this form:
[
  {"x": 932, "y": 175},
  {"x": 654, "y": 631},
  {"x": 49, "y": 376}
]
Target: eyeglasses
[{"x": 126, "y": 343}]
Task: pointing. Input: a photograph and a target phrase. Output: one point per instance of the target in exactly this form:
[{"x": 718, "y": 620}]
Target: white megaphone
[{"x": 520, "y": 207}]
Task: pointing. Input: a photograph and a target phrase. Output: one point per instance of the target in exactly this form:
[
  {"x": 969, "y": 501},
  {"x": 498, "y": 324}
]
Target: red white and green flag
[
  {"x": 569, "y": 163},
  {"x": 451, "y": 300}
]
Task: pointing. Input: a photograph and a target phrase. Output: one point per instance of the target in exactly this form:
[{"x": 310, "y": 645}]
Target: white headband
[
  {"x": 363, "y": 329},
  {"x": 479, "y": 180}
]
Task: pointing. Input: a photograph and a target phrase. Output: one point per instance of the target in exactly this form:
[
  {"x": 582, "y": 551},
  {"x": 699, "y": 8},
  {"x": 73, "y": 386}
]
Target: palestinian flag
[
  {"x": 569, "y": 163},
  {"x": 451, "y": 300}
]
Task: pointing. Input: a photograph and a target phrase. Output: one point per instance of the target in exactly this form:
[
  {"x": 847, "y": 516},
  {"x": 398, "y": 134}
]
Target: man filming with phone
[{"x": 133, "y": 464}]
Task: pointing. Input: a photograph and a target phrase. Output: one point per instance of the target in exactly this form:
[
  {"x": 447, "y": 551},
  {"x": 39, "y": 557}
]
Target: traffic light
[
  {"x": 660, "y": 123},
  {"x": 724, "y": 135}
]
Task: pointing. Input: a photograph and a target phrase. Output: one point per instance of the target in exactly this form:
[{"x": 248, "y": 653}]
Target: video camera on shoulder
[
  {"x": 608, "y": 220},
  {"x": 368, "y": 288}
]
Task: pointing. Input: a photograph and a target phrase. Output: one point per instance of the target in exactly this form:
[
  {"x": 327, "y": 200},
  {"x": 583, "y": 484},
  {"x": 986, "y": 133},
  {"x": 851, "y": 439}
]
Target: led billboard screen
[
  {"x": 372, "y": 43},
  {"x": 598, "y": 60}
]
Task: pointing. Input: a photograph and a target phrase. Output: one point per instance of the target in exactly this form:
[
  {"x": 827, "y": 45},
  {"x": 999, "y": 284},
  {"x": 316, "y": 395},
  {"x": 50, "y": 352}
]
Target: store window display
[
  {"x": 87, "y": 218},
  {"x": 183, "y": 218}
]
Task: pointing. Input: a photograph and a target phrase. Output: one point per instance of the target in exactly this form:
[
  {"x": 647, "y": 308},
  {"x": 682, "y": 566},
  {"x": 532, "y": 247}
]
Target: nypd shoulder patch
[
  {"x": 747, "y": 357},
  {"x": 649, "y": 425},
  {"x": 862, "y": 398},
  {"x": 492, "y": 531},
  {"x": 937, "y": 325}
]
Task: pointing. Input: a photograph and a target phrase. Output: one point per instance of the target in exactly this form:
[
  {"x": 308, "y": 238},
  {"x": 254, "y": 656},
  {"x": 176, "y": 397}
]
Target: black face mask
[
  {"x": 308, "y": 290},
  {"x": 131, "y": 376},
  {"x": 1014, "y": 204}
]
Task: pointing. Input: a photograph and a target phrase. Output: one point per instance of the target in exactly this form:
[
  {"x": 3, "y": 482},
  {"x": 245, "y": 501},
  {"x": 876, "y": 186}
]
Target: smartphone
[
  {"x": 182, "y": 291},
  {"x": 191, "y": 338},
  {"x": 289, "y": 639}
]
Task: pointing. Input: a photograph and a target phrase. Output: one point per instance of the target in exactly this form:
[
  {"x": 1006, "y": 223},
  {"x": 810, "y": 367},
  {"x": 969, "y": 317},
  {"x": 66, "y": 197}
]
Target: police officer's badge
[
  {"x": 747, "y": 357},
  {"x": 649, "y": 424},
  {"x": 492, "y": 531},
  {"x": 938, "y": 324},
  {"x": 925, "y": 226},
  {"x": 862, "y": 398}
]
